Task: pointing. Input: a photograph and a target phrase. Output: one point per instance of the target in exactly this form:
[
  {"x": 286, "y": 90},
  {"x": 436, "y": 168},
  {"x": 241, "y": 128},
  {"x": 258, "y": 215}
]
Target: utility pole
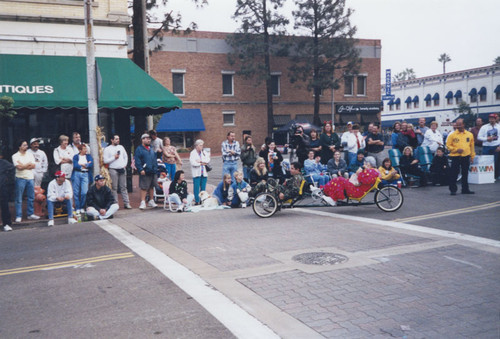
[{"x": 91, "y": 83}]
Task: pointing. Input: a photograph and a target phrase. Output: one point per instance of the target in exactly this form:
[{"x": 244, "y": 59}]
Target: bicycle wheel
[
  {"x": 265, "y": 205},
  {"x": 389, "y": 198}
]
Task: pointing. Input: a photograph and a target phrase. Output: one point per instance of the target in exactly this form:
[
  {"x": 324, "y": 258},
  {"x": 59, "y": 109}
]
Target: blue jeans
[
  {"x": 351, "y": 157},
  {"x": 229, "y": 167},
  {"x": 171, "y": 169},
  {"x": 50, "y": 208},
  {"x": 80, "y": 181},
  {"x": 177, "y": 200},
  {"x": 246, "y": 173},
  {"x": 21, "y": 185},
  {"x": 199, "y": 184},
  {"x": 322, "y": 180}
]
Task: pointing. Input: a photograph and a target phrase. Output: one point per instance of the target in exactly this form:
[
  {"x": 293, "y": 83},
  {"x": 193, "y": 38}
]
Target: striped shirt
[{"x": 226, "y": 149}]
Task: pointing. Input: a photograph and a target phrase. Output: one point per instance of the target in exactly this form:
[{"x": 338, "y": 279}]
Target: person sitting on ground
[
  {"x": 315, "y": 170},
  {"x": 440, "y": 168},
  {"x": 60, "y": 190},
  {"x": 291, "y": 187},
  {"x": 178, "y": 192},
  {"x": 100, "y": 201},
  {"x": 258, "y": 177},
  {"x": 357, "y": 186},
  {"x": 239, "y": 187},
  {"x": 224, "y": 192},
  {"x": 337, "y": 166},
  {"x": 388, "y": 174},
  {"x": 409, "y": 166},
  {"x": 356, "y": 163}
]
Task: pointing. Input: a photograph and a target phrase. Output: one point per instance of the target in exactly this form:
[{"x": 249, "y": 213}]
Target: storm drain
[{"x": 320, "y": 258}]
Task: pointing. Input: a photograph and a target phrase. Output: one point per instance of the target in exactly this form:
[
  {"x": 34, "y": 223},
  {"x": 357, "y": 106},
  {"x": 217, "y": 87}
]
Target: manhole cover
[{"x": 320, "y": 258}]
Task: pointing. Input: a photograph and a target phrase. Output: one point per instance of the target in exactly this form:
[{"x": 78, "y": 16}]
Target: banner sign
[
  {"x": 357, "y": 108},
  {"x": 387, "y": 82}
]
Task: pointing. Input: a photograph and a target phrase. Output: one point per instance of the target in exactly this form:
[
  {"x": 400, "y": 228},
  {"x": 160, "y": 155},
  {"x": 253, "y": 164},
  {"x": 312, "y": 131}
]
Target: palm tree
[{"x": 444, "y": 58}]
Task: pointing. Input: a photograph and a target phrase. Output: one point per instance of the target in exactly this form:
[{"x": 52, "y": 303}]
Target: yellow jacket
[
  {"x": 385, "y": 174},
  {"x": 461, "y": 140}
]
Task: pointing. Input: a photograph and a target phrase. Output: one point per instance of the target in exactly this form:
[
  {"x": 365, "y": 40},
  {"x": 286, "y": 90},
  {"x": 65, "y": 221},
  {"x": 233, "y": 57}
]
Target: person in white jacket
[
  {"x": 199, "y": 160},
  {"x": 41, "y": 162},
  {"x": 63, "y": 156},
  {"x": 60, "y": 190},
  {"x": 116, "y": 157},
  {"x": 433, "y": 138},
  {"x": 355, "y": 142},
  {"x": 489, "y": 135}
]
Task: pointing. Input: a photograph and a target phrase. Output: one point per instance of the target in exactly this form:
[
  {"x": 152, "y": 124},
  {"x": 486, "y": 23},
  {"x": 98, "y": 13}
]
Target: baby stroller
[{"x": 158, "y": 193}]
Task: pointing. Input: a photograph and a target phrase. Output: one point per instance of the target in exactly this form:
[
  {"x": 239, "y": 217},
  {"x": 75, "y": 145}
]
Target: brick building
[{"x": 195, "y": 67}]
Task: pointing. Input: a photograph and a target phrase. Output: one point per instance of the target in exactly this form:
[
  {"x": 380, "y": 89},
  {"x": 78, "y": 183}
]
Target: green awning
[{"x": 40, "y": 81}]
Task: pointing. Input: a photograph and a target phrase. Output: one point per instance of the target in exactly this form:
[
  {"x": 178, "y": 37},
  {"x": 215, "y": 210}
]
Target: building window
[
  {"x": 391, "y": 108},
  {"x": 228, "y": 118},
  {"x": 415, "y": 104},
  {"x": 436, "y": 102},
  {"x": 227, "y": 84},
  {"x": 348, "y": 85},
  {"x": 482, "y": 94},
  {"x": 449, "y": 101},
  {"x": 361, "y": 85},
  {"x": 428, "y": 103},
  {"x": 497, "y": 95},
  {"x": 408, "y": 105},
  {"x": 458, "y": 100},
  {"x": 178, "y": 83},
  {"x": 473, "y": 98},
  {"x": 275, "y": 84}
]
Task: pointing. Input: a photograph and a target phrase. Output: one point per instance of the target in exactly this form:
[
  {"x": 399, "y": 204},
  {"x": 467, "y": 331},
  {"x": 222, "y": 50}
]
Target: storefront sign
[
  {"x": 11, "y": 89},
  {"x": 358, "y": 108}
]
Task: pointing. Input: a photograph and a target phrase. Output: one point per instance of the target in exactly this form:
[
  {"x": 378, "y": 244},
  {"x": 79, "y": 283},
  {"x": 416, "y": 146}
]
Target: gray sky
[{"x": 413, "y": 32}]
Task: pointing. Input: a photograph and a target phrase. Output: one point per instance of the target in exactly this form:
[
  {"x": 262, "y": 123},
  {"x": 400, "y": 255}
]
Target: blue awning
[
  {"x": 414, "y": 121},
  {"x": 497, "y": 90},
  {"x": 415, "y": 99},
  {"x": 181, "y": 120},
  {"x": 458, "y": 94},
  {"x": 449, "y": 95},
  {"x": 473, "y": 92},
  {"x": 482, "y": 91},
  {"x": 408, "y": 100},
  {"x": 387, "y": 123},
  {"x": 436, "y": 96},
  {"x": 428, "y": 97},
  {"x": 397, "y": 101}
]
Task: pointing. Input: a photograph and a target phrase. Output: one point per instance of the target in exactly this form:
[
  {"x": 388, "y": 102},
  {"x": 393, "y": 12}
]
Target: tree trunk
[{"x": 269, "y": 90}]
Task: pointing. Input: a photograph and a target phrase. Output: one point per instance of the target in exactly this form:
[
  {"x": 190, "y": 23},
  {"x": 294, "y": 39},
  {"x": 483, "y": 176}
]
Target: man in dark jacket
[
  {"x": 7, "y": 181},
  {"x": 100, "y": 201},
  {"x": 147, "y": 166}
]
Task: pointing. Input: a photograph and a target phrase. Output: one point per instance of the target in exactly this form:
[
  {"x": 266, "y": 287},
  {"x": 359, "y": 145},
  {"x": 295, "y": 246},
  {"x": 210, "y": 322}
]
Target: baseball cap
[
  {"x": 99, "y": 177},
  {"x": 33, "y": 140},
  {"x": 60, "y": 174},
  {"x": 349, "y": 122},
  {"x": 492, "y": 115},
  {"x": 145, "y": 135}
]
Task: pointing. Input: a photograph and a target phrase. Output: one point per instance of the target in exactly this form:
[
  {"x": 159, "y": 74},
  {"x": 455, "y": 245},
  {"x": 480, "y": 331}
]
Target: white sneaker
[
  {"x": 329, "y": 201},
  {"x": 243, "y": 205},
  {"x": 128, "y": 207},
  {"x": 142, "y": 206},
  {"x": 50, "y": 223},
  {"x": 7, "y": 228},
  {"x": 180, "y": 208},
  {"x": 19, "y": 219},
  {"x": 33, "y": 217},
  {"x": 72, "y": 221},
  {"x": 151, "y": 203}
]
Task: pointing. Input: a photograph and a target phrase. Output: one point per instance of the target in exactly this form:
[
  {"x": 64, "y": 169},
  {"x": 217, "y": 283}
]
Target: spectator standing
[
  {"x": 396, "y": 130},
  {"x": 231, "y": 152},
  {"x": 248, "y": 157},
  {"x": 488, "y": 134},
  {"x": 433, "y": 138},
  {"x": 59, "y": 190},
  {"x": 147, "y": 166},
  {"x": 63, "y": 156},
  {"x": 345, "y": 136},
  {"x": 82, "y": 166},
  {"x": 100, "y": 201},
  {"x": 25, "y": 163},
  {"x": 178, "y": 192},
  {"x": 170, "y": 157},
  {"x": 301, "y": 141},
  {"x": 337, "y": 166},
  {"x": 115, "y": 156},
  {"x": 315, "y": 143},
  {"x": 273, "y": 159},
  {"x": 156, "y": 144},
  {"x": 409, "y": 131},
  {"x": 475, "y": 131},
  {"x": 375, "y": 144},
  {"x": 368, "y": 130},
  {"x": 198, "y": 160},
  {"x": 7, "y": 183},
  {"x": 329, "y": 142},
  {"x": 420, "y": 131},
  {"x": 460, "y": 143},
  {"x": 77, "y": 141},
  {"x": 41, "y": 162},
  {"x": 355, "y": 143}
]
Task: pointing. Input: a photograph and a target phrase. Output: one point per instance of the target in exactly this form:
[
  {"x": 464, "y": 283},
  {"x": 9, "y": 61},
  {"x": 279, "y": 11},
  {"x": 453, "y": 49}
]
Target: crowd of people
[{"x": 345, "y": 163}]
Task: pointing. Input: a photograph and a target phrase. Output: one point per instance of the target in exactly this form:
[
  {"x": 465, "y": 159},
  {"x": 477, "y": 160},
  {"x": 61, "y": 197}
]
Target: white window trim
[
  {"x": 352, "y": 86},
  {"x": 365, "y": 76},
  {"x": 178, "y": 70},
  {"x": 231, "y": 73},
  {"x": 183, "y": 72},
  {"x": 233, "y": 113}
]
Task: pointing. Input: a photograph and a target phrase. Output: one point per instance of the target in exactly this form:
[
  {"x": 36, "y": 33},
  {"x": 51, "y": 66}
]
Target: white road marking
[
  {"x": 237, "y": 320},
  {"x": 409, "y": 227},
  {"x": 463, "y": 262}
]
